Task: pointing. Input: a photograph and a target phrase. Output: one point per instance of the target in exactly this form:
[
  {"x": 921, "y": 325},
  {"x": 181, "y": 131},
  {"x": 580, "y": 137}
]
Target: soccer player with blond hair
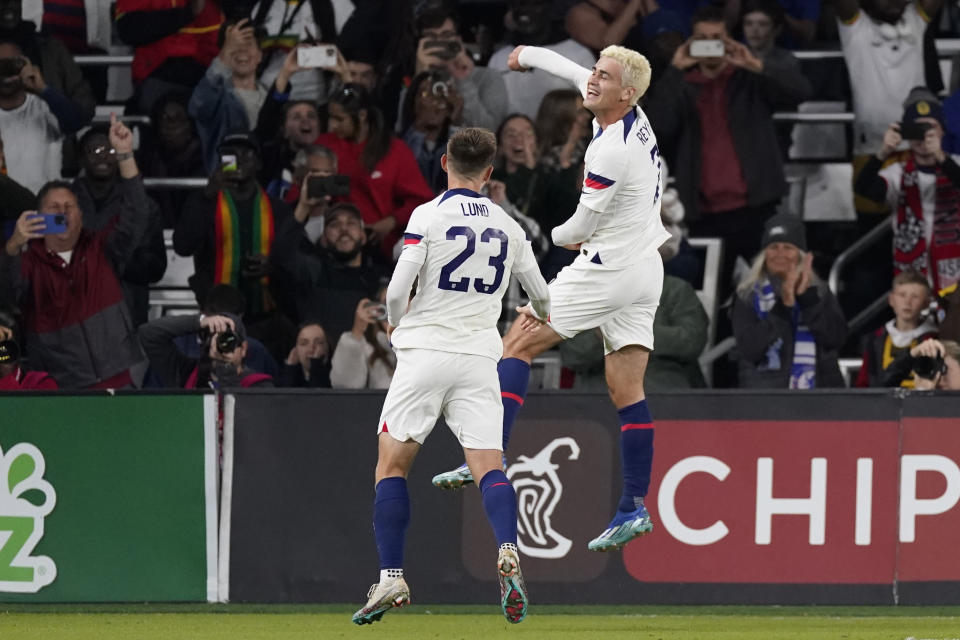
[{"x": 614, "y": 283}]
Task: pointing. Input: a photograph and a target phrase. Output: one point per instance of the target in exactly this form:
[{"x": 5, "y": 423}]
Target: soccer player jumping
[
  {"x": 462, "y": 248},
  {"x": 614, "y": 283}
]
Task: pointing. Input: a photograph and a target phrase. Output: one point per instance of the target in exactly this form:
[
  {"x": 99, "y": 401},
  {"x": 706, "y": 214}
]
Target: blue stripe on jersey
[
  {"x": 411, "y": 238},
  {"x": 460, "y": 192},
  {"x": 628, "y": 121},
  {"x": 597, "y": 182}
]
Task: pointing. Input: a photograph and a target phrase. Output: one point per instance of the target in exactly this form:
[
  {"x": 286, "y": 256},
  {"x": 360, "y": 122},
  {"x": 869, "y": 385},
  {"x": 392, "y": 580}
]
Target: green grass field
[{"x": 288, "y": 622}]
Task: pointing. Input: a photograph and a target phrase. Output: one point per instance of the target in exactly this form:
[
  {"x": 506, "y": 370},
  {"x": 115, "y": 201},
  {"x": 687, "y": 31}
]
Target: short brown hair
[
  {"x": 470, "y": 151},
  {"x": 910, "y": 276}
]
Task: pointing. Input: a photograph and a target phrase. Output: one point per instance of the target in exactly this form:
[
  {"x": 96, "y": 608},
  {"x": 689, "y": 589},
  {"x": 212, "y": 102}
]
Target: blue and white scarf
[{"x": 803, "y": 369}]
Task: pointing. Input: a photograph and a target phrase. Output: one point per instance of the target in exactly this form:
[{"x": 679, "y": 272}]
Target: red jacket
[
  {"x": 21, "y": 380},
  {"x": 394, "y": 187},
  {"x": 197, "y": 40},
  {"x": 76, "y": 324}
]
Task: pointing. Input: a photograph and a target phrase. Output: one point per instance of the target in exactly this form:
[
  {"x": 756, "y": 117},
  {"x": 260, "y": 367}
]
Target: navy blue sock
[
  {"x": 636, "y": 453},
  {"x": 500, "y": 503},
  {"x": 514, "y": 378},
  {"x": 391, "y": 515}
]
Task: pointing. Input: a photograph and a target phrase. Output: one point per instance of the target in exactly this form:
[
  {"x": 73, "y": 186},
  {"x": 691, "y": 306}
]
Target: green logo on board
[{"x": 25, "y": 500}]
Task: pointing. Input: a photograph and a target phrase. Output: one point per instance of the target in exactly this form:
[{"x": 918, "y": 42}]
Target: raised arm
[{"x": 524, "y": 57}]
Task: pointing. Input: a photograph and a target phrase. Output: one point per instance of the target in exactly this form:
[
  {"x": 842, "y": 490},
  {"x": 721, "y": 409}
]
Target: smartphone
[
  {"x": 228, "y": 162},
  {"x": 323, "y": 56},
  {"x": 54, "y": 223},
  {"x": 10, "y": 67},
  {"x": 913, "y": 130},
  {"x": 443, "y": 49},
  {"x": 379, "y": 311},
  {"x": 321, "y": 186},
  {"x": 706, "y": 48}
]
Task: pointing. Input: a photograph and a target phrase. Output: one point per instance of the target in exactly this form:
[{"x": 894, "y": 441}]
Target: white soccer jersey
[
  {"x": 621, "y": 177},
  {"x": 468, "y": 247},
  {"x": 622, "y": 180}
]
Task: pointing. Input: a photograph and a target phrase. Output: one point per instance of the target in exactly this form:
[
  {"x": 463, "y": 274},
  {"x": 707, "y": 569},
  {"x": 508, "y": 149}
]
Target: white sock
[
  {"x": 390, "y": 574},
  {"x": 509, "y": 546}
]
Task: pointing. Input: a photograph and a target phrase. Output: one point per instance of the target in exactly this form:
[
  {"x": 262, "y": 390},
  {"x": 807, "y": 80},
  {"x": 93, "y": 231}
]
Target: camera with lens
[
  {"x": 928, "y": 367},
  {"x": 227, "y": 342}
]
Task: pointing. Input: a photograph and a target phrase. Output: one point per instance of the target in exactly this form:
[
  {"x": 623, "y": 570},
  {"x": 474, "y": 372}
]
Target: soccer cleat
[
  {"x": 458, "y": 478},
  {"x": 624, "y": 527},
  {"x": 513, "y": 591},
  {"x": 455, "y": 479},
  {"x": 382, "y": 597}
]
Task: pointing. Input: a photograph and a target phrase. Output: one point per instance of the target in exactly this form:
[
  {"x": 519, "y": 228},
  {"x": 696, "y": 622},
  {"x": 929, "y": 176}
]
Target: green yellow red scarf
[{"x": 230, "y": 253}]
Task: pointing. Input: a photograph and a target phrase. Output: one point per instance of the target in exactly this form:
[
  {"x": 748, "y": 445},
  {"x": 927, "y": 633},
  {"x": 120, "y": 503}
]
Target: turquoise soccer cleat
[
  {"x": 513, "y": 590},
  {"x": 456, "y": 479},
  {"x": 622, "y": 529}
]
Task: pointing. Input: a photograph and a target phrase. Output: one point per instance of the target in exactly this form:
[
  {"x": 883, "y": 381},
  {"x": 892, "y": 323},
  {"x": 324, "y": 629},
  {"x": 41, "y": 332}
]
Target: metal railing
[{"x": 862, "y": 244}]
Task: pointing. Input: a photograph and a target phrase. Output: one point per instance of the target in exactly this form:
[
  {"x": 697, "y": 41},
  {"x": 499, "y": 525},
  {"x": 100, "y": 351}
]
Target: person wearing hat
[
  {"x": 327, "y": 279},
  {"x": 12, "y": 375},
  {"x": 787, "y": 324},
  {"x": 221, "y": 363},
  {"x": 922, "y": 186},
  {"x": 229, "y": 228}
]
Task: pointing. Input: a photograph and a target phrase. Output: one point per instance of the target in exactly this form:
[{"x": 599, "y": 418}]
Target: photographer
[
  {"x": 364, "y": 358},
  {"x": 923, "y": 188},
  {"x": 328, "y": 278},
  {"x": 220, "y": 366},
  {"x": 936, "y": 365},
  {"x": 76, "y": 324},
  {"x": 12, "y": 375},
  {"x": 34, "y": 118}
]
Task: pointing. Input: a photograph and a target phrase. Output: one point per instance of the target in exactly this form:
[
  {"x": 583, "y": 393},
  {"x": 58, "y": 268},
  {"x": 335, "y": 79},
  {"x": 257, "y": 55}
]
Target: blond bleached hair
[{"x": 636, "y": 69}]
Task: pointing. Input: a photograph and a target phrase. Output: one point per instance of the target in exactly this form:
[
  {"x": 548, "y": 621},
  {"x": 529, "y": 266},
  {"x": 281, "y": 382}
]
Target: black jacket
[
  {"x": 148, "y": 261},
  {"x": 819, "y": 310}
]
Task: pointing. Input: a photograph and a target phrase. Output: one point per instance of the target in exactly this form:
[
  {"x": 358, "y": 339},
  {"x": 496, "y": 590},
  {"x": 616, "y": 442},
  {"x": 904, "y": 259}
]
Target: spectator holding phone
[
  {"x": 385, "y": 183},
  {"x": 229, "y": 228},
  {"x": 922, "y": 186},
  {"x": 364, "y": 358},
  {"x": 34, "y": 118},
  {"x": 308, "y": 364},
  {"x": 103, "y": 196},
  {"x": 76, "y": 324},
  {"x": 712, "y": 112},
  {"x": 229, "y": 96},
  {"x": 327, "y": 279},
  {"x": 426, "y": 117}
]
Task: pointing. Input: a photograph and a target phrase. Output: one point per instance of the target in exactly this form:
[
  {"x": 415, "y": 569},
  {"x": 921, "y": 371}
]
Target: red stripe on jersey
[
  {"x": 512, "y": 396},
  {"x": 628, "y": 427},
  {"x": 384, "y": 427}
]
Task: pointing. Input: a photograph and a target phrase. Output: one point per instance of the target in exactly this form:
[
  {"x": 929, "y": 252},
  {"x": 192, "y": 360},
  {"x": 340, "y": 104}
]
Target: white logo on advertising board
[
  {"x": 21, "y": 521},
  {"x": 538, "y": 492}
]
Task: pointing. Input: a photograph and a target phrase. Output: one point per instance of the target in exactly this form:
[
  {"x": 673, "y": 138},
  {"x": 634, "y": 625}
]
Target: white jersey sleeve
[
  {"x": 555, "y": 64},
  {"x": 604, "y": 177}
]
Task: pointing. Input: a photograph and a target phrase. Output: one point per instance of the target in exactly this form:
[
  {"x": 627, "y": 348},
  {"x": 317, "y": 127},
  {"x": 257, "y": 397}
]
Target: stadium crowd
[{"x": 318, "y": 126}]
